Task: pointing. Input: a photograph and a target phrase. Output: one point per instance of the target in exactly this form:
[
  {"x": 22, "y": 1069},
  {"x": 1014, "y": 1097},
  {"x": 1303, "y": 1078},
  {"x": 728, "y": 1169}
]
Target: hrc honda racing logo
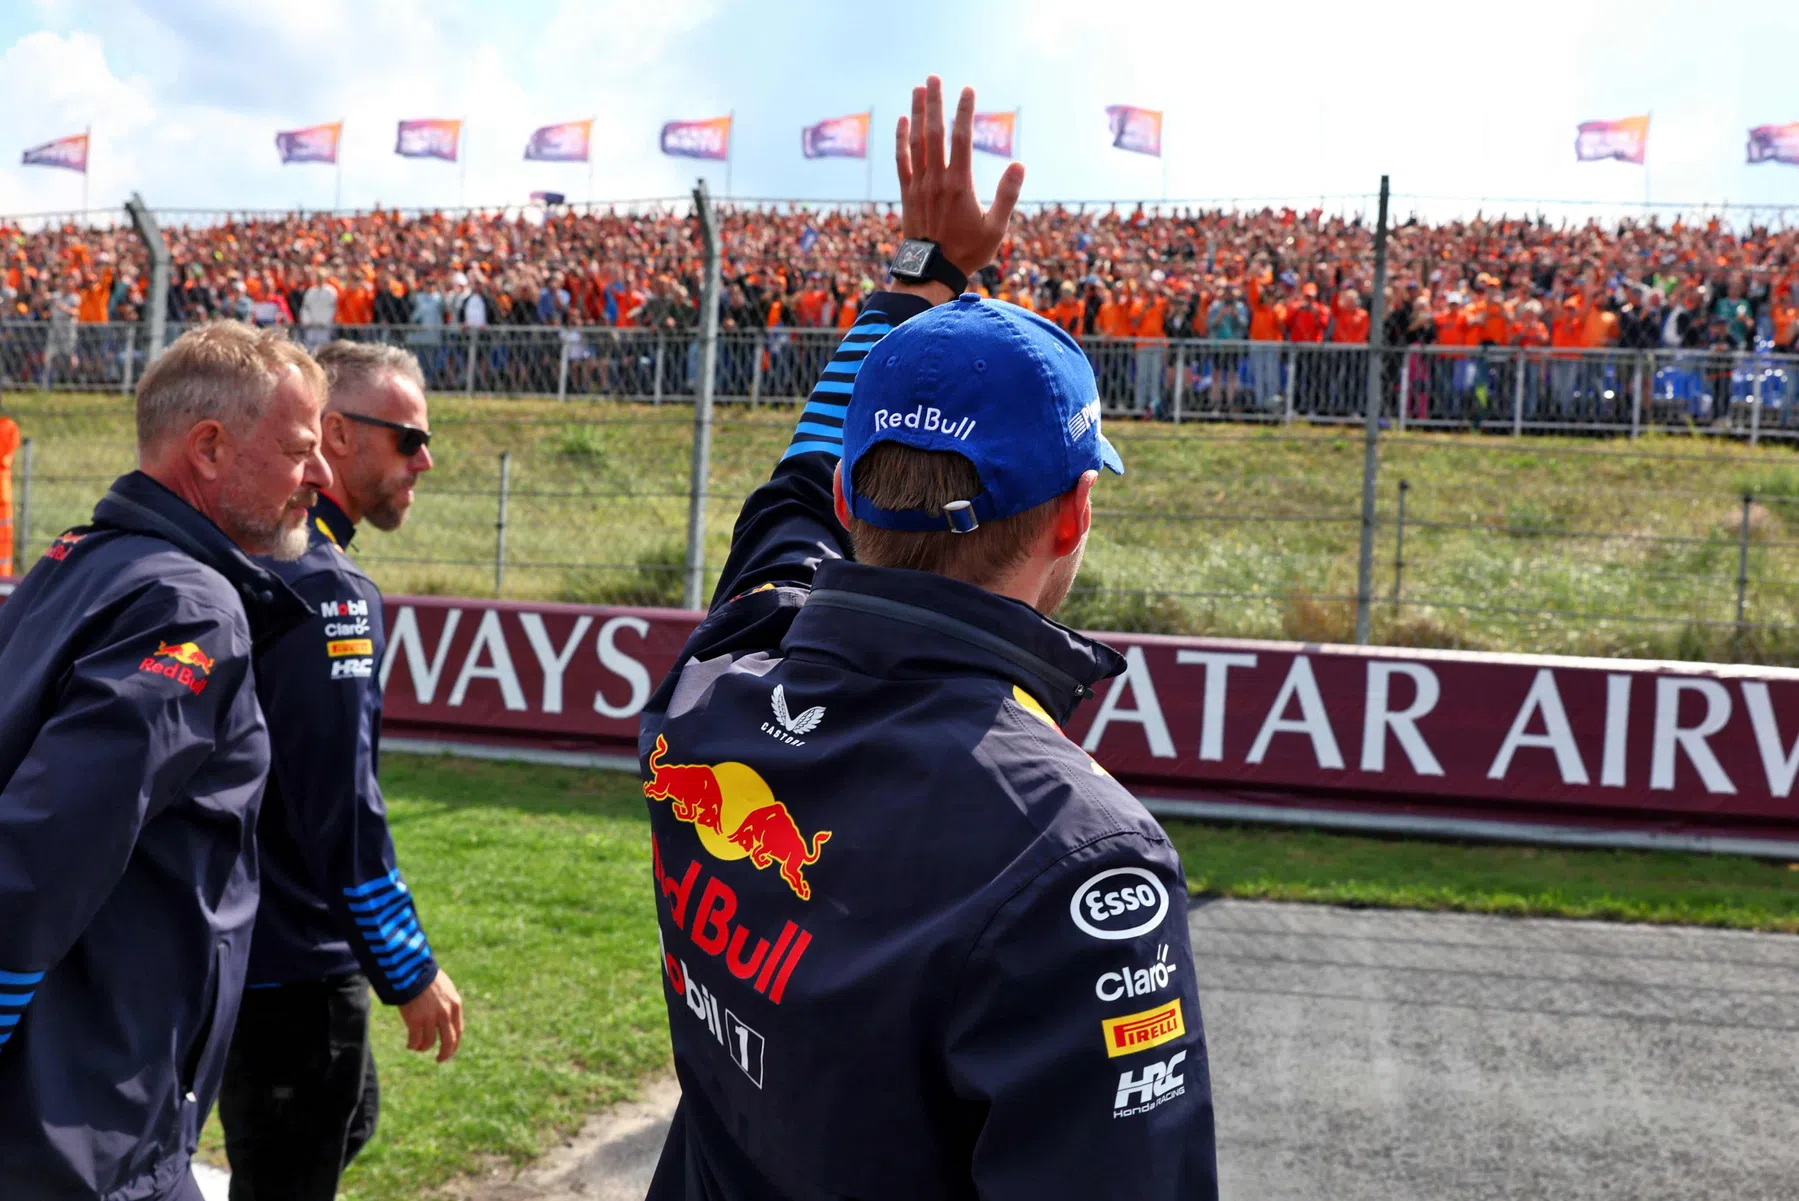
[
  {"x": 183, "y": 662},
  {"x": 736, "y": 815},
  {"x": 1157, "y": 1084}
]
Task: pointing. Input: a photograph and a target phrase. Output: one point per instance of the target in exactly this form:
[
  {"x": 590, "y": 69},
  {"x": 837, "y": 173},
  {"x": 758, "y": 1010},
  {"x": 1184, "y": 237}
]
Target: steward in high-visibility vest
[{"x": 9, "y": 446}]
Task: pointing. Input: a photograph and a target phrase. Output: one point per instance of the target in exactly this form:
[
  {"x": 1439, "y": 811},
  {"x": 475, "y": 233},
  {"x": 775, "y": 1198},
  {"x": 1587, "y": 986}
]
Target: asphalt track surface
[{"x": 1373, "y": 1055}]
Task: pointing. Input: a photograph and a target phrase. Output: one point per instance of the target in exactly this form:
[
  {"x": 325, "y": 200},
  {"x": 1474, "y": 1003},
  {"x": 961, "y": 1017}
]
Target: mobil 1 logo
[
  {"x": 1120, "y": 903},
  {"x": 739, "y": 1040}
]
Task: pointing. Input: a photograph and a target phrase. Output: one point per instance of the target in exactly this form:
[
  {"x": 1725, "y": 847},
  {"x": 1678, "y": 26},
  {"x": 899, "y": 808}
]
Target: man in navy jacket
[
  {"x": 916, "y": 943},
  {"x": 300, "y": 1097},
  {"x": 132, "y": 759}
]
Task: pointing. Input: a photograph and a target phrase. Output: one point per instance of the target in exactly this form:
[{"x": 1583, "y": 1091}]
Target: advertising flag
[
  {"x": 429, "y": 137},
  {"x": 564, "y": 143},
  {"x": 993, "y": 132},
  {"x": 710, "y": 138},
  {"x": 1774, "y": 144},
  {"x": 1136, "y": 129},
  {"x": 1626, "y": 140},
  {"x": 839, "y": 137},
  {"x": 314, "y": 144},
  {"x": 69, "y": 153},
  {"x": 549, "y": 198}
]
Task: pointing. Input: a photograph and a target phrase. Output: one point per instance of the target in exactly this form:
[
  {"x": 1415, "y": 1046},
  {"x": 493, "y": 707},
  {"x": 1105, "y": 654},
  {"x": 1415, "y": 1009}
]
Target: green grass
[
  {"x": 534, "y": 885},
  {"x": 1217, "y": 529}
]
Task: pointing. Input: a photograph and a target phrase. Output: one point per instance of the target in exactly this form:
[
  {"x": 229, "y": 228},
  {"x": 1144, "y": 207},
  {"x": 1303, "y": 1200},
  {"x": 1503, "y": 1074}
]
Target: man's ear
[
  {"x": 838, "y": 502},
  {"x": 1074, "y": 515},
  {"x": 338, "y": 437},
  {"x": 204, "y": 446}
]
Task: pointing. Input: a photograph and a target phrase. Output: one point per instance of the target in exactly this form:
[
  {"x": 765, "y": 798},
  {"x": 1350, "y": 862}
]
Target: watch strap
[{"x": 938, "y": 269}]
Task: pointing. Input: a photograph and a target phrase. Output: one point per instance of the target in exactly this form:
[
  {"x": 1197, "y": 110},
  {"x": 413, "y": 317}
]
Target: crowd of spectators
[{"x": 1275, "y": 275}]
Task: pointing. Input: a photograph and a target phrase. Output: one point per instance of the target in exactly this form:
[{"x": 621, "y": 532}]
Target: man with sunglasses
[{"x": 300, "y": 1095}]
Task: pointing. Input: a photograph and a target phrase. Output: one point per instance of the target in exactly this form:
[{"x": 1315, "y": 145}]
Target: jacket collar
[
  {"x": 902, "y": 624},
  {"x": 328, "y": 519},
  {"x": 141, "y": 505}
]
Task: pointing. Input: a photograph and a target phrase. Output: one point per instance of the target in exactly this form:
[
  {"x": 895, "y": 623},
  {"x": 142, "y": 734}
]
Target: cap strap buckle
[{"x": 959, "y": 516}]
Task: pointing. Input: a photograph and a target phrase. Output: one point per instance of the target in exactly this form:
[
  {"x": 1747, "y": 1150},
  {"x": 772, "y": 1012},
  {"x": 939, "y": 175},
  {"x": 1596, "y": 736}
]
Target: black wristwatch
[{"x": 918, "y": 261}]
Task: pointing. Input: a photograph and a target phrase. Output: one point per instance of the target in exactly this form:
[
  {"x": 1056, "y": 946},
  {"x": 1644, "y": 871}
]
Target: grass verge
[{"x": 1633, "y": 547}]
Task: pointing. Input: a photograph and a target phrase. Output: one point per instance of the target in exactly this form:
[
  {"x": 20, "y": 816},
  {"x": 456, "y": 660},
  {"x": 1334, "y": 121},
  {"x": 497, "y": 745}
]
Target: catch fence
[{"x": 1742, "y": 394}]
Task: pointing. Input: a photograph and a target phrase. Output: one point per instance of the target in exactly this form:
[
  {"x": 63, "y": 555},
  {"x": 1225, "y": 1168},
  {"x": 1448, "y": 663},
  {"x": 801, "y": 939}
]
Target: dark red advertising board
[{"x": 1439, "y": 735}]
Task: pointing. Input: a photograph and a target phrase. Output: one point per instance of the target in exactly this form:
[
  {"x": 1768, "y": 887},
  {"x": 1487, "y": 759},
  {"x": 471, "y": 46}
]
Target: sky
[{"x": 1299, "y": 100}]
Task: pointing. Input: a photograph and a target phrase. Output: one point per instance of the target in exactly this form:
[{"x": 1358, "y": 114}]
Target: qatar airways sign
[{"x": 1532, "y": 738}]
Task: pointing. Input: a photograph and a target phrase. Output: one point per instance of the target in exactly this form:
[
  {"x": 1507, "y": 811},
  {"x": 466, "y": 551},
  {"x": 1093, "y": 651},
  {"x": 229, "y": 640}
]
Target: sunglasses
[{"x": 411, "y": 438}]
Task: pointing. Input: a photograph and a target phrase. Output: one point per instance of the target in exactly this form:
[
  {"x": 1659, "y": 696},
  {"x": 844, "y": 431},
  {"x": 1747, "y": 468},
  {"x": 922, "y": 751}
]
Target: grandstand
[{"x": 1661, "y": 320}]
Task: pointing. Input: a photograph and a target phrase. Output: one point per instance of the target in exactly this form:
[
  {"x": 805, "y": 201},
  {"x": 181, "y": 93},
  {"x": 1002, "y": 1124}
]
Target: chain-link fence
[{"x": 1740, "y": 394}]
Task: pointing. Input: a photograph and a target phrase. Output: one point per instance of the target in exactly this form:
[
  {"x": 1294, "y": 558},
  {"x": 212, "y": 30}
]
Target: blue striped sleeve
[
  {"x": 388, "y": 926},
  {"x": 821, "y": 423},
  {"x": 16, "y": 991}
]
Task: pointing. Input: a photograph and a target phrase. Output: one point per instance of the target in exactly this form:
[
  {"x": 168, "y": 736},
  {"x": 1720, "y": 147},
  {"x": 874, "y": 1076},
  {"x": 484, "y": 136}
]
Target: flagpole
[
  {"x": 337, "y": 162},
  {"x": 462, "y": 164},
  {"x": 1162, "y": 149},
  {"x": 1017, "y": 124},
  {"x": 868, "y": 160},
  {"x": 87, "y": 165},
  {"x": 730, "y": 151},
  {"x": 1649, "y": 120}
]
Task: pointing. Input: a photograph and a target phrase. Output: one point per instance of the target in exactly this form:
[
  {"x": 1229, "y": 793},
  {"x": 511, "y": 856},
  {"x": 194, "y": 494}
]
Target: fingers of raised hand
[{"x": 961, "y": 152}]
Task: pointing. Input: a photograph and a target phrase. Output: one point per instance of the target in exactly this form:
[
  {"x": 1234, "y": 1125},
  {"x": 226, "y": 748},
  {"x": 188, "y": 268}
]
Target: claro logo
[{"x": 1124, "y": 902}]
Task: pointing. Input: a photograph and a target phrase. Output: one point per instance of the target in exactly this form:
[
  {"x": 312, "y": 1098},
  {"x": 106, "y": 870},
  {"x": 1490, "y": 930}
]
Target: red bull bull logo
[
  {"x": 183, "y": 662},
  {"x": 735, "y": 815}
]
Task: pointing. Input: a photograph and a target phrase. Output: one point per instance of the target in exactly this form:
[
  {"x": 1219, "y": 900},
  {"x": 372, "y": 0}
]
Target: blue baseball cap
[{"x": 993, "y": 382}]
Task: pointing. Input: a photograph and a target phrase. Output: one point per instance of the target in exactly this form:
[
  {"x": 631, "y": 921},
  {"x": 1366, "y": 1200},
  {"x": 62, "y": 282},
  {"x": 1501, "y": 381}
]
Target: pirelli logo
[
  {"x": 1140, "y": 1031},
  {"x": 343, "y": 648}
]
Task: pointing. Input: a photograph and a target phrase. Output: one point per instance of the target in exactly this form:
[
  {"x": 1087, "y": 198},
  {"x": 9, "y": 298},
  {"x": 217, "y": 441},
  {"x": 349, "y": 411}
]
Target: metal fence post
[
  {"x": 1284, "y": 381},
  {"x": 656, "y": 398},
  {"x": 699, "y": 477},
  {"x": 1645, "y": 381},
  {"x": 44, "y": 378},
  {"x": 22, "y": 510},
  {"x": 1377, "y": 317},
  {"x": 1518, "y": 396},
  {"x": 1399, "y": 547},
  {"x": 1743, "y": 563},
  {"x": 474, "y": 348},
  {"x": 755, "y": 372},
  {"x": 1755, "y": 405},
  {"x": 562, "y": 372},
  {"x": 499, "y": 529},
  {"x": 1180, "y": 378},
  {"x": 130, "y": 358},
  {"x": 1405, "y": 385}
]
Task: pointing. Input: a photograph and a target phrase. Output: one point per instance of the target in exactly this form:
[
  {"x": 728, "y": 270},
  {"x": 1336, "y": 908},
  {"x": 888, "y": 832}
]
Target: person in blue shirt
[
  {"x": 132, "y": 761},
  {"x": 300, "y": 1096},
  {"x": 915, "y": 942}
]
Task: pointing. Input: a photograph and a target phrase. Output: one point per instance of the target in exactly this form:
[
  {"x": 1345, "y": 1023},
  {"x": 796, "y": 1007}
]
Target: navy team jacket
[
  {"x": 132, "y": 758},
  {"x": 333, "y": 900},
  {"x": 916, "y": 943}
]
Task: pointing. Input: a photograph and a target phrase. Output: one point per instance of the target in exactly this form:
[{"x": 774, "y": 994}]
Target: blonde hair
[{"x": 222, "y": 371}]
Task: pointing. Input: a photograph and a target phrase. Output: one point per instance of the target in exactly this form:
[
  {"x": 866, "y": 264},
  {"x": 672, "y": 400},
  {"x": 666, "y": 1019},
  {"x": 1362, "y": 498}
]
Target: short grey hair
[
  {"x": 222, "y": 371},
  {"x": 352, "y": 367}
]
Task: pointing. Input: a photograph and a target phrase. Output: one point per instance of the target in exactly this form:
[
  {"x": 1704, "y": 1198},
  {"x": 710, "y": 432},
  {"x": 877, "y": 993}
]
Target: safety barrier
[{"x": 1737, "y": 393}]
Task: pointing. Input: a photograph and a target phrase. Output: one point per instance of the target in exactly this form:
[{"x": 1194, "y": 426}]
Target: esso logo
[{"x": 1121, "y": 903}]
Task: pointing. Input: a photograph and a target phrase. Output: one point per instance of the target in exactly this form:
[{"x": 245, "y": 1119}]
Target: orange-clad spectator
[
  {"x": 1069, "y": 313},
  {"x": 1451, "y": 321},
  {"x": 1114, "y": 319},
  {"x": 1306, "y": 321},
  {"x": 809, "y": 305},
  {"x": 1351, "y": 322},
  {"x": 1267, "y": 326},
  {"x": 355, "y": 301},
  {"x": 1529, "y": 331},
  {"x": 1566, "y": 335},
  {"x": 1784, "y": 314},
  {"x": 848, "y": 308},
  {"x": 96, "y": 291},
  {"x": 1149, "y": 324},
  {"x": 1570, "y": 325}
]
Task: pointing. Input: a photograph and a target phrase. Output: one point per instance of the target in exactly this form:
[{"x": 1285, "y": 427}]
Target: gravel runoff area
[{"x": 1381, "y": 1055}]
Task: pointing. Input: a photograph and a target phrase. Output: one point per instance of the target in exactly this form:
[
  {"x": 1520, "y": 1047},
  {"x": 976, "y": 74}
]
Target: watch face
[{"x": 913, "y": 257}]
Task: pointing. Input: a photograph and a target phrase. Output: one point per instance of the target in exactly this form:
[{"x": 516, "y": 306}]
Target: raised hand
[{"x": 937, "y": 193}]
